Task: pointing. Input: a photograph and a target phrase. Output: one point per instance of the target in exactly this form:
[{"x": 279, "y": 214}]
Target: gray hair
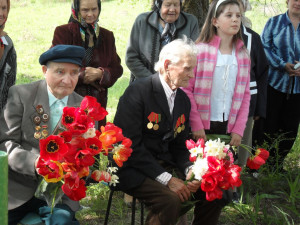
[{"x": 175, "y": 50}]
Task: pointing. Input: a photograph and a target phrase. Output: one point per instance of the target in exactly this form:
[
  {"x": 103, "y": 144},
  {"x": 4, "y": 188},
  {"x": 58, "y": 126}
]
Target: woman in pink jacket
[{"x": 219, "y": 92}]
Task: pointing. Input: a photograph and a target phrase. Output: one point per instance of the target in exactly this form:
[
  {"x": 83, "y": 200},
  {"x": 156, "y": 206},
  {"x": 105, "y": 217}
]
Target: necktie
[{"x": 56, "y": 110}]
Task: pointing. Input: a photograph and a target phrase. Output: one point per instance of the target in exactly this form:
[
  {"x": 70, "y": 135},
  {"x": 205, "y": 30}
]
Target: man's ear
[
  {"x": 166, "y": 64},
  {"x": 44, "y": 69}
]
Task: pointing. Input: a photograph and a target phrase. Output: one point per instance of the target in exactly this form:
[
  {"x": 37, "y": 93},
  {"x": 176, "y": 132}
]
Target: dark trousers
[
  {"x": 283, "y": 116},
  {"x": 62, "y": 214},
  {"x": 165, "y": 204}
]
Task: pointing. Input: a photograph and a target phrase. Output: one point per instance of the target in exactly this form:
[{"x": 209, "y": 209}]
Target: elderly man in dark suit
[
  {"x": 31, "y": 113},
  {"x": 154, "y": 114}
]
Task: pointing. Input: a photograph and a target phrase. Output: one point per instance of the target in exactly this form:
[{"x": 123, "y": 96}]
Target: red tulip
[{"x": 53, "y": 148}]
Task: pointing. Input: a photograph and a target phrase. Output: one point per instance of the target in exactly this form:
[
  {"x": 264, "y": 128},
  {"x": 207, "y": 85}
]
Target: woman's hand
[
  {"x": 199, "y": 134},
  {"x": 92, "y": 74},
  {"x": 235, "y": 139}
]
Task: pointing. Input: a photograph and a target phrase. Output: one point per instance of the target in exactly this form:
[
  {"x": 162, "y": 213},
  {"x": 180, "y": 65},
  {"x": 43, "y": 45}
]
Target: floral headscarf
[{"x": 85, "y": 28}]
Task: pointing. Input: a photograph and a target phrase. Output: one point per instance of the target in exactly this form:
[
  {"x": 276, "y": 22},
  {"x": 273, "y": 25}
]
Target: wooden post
[{"x": 3, "y": 187}]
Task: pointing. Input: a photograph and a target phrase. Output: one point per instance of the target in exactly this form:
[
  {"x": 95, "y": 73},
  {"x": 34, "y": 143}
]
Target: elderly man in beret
[{"x": 31, "y": 113}]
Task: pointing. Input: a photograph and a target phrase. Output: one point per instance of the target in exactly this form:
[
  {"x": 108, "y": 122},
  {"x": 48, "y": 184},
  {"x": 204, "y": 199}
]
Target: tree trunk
[{"x": 198, "y": 8}]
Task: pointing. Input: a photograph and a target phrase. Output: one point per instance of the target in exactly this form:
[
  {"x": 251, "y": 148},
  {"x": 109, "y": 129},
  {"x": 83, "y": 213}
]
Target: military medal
[
  {"x": 149, "y": 125},
  {"x": 153, "y": 117},
  {"x": 37, "y": 120},
  {"x": 178, "y": 129},
  {"x": 45, "y": 133},
  {"x": 45, "y": 117},
  {"x": 37, "y": 135},
  {"x": 39, "y": 109},
  {"x": 182, "y": 127},
  {"x": 156, "y": 127}
]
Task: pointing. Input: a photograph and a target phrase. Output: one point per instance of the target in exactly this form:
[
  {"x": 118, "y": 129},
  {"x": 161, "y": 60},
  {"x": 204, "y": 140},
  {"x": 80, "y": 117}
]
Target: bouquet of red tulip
[
  {"x": 67, "y": 158},
  {"x": 214, "y": 167},
  {"x": 214, "y": 164}
]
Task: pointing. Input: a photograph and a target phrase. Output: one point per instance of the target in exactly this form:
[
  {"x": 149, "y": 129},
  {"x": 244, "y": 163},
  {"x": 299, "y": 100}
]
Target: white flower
[
  {"x": 112, "y": 170},
  {"x": 215, "y": 148},
  {"x": 200, "y": 168},
  {"x": 90, "y": 133},
  {"x": 195, "y": 151},
  {"x": 114, "y": 180}
]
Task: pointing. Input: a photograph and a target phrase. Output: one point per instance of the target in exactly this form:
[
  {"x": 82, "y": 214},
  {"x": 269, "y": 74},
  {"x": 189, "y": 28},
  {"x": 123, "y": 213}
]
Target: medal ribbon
[
  {"x": 178, "y": 123},
  {"x": 157, "y": 118},
  {"x": 152, "y": 116},
  {"x": 182, "y": 119}
]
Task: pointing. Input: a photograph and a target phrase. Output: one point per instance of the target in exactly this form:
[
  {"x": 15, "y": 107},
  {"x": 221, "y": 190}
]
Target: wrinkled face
[
  {"x": 179, "y": 74},
  {"x": 170, "y": 10},
  {"x": 294, "y": 7},
  {"x": 89, "y": 10},
  {"x": 61, "y": 78},
  {"x": 229, "y": 21},
  {"x": 3, "y": 11}
]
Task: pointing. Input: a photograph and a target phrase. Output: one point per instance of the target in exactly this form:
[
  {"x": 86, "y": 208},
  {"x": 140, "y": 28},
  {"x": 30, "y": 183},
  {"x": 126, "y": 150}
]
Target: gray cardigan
[
  {"x": 8, "y": 70},
  {"x": 144, "y": 42}
]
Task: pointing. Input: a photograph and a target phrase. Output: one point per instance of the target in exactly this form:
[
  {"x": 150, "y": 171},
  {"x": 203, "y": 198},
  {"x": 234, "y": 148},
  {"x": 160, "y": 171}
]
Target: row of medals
[
  {"x": 40, "y": 131},
  {"x": 179, "y": 129},
  {"x": 150, "y": 126}
]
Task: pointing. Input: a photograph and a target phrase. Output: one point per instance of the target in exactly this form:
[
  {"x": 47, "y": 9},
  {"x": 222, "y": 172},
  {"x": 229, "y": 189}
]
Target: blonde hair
[{"x": 209, "y": 30}]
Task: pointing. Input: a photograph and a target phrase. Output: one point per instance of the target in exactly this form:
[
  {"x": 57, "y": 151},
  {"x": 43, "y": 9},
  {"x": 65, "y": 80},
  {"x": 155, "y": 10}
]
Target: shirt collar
[
  {"x": 166, "y": 87},
  {"x": 52, "y": 98}
]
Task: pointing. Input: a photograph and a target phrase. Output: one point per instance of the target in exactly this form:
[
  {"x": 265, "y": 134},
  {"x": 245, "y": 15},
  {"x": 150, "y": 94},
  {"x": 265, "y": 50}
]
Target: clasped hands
[
  {"x": 289, "y": 67},
  {"x": 184, "y": 190},
  {"x": 92, "y": 74}
]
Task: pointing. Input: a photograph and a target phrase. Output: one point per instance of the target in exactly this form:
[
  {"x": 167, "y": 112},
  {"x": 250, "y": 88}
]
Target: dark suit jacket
[
  {"x": 149, "y": 146},
  {"x": 17, "y": 138}
]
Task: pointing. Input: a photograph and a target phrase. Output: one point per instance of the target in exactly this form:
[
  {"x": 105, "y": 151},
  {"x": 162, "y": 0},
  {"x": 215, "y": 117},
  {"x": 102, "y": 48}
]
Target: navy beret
[{"x": 64, "y": 54}]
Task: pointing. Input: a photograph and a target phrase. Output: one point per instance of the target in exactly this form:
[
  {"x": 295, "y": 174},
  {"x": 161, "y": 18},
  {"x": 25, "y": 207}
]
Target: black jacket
[
  {"x": 258, "y": 73},
  {"x": 140, "y": 99}
]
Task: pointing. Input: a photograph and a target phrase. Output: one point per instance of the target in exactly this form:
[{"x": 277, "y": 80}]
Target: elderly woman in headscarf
[
  {"x": 102, "y": 65},
  {"x": 8, "y": 57},
  {"x": 152, "y": 30}
]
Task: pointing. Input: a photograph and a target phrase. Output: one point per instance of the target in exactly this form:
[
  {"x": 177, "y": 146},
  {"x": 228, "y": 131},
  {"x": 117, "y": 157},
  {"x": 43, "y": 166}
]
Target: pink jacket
[{"x": 199, "y": 89}]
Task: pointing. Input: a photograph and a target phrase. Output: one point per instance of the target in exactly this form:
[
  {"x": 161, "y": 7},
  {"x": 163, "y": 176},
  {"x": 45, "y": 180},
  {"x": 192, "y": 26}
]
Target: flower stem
[{"x": 53, "y": 200}]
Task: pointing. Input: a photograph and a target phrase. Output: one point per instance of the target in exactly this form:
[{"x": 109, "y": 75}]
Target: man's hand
[
  {"x": 194, "y": 185},
  {"x": 92, "y": 74},
  {"x": 35, "y": 165},
  {"x": 289, "y": 67},
  {"x": 235, "y": 139},
  {"x": 199, "y": 134},
  {"x": 176, "y": 185}
]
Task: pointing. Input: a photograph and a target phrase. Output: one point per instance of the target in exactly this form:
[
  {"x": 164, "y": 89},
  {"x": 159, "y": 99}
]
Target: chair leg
[
  {"x": 142, "y": 213},
  {"x": 108, "y": 207},
  {"x": 133, "y": 211}
]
